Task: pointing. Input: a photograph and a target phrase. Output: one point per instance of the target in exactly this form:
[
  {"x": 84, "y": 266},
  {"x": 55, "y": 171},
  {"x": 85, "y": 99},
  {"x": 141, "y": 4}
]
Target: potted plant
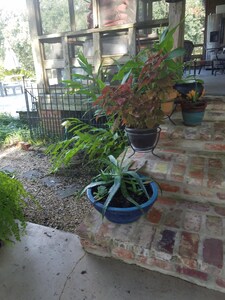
[
  {"x": 192, "y": 104},
  {"x": 12, "y": 202},
  {"x": 145, "y": 82},
  {"x": 188, "y": 84},
  {"x": 120, "y": 194}
]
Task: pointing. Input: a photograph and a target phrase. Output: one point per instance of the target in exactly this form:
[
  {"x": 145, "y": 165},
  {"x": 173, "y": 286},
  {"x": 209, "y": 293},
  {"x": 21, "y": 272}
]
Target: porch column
[
  {"x": 176, "y": 16},
  {"x": 35, "y": 30}
]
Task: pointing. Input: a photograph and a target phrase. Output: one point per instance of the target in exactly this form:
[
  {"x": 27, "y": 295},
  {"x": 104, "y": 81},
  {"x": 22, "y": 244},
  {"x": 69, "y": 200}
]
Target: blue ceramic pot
[{"x": 125, "y": 215}]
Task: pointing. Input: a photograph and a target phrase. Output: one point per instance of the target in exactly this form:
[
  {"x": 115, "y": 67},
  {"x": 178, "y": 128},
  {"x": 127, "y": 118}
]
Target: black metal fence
[{"x": 47, "y": 111}]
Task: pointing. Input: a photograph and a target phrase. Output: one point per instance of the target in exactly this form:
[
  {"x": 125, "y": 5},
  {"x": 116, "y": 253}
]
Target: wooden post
[
  {"x": 72, "y": 15},
  {"x": 176, "y": 16},
  {"x": 66, "y": 57},
  {"x": 35, "y": 31},
  {"x": 97, "y": 51},
  {"x": 132, "y": 51}
]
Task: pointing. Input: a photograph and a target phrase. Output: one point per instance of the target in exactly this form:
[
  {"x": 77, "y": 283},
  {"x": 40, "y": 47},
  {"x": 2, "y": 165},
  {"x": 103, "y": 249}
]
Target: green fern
[
  {"x": 12, "y": 202},
  {"x": 95, "y": 144}
]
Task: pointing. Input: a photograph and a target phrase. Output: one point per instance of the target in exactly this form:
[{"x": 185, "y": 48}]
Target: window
[
  {"x": 53, "y": 51},
  {"x": 55, "y": 76}
]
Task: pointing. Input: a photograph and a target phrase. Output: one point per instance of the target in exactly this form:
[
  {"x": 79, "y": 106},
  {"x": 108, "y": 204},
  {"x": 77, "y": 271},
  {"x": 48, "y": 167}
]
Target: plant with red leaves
[{"x": 146, "y": 81}]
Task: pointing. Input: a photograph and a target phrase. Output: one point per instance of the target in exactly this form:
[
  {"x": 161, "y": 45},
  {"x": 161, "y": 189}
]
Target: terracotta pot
[{"x": 167, "y": 107}]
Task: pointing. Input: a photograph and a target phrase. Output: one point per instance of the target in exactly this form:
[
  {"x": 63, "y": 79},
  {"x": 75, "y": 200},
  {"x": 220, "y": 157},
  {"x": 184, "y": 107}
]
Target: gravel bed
[{"x": 54, "y": 193}]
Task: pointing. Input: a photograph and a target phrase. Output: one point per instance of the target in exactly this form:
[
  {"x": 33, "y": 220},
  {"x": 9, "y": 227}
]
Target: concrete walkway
[
  {"x": 214, "y": 85},
  {"x": 12, "y": 103},
  {"x": 50, "y": 264}
]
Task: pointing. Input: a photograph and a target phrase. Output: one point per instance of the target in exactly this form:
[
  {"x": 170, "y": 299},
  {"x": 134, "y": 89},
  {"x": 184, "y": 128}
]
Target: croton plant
[
  {"x": 146, "y": 81},
  {"x": 136, "y": 103}
]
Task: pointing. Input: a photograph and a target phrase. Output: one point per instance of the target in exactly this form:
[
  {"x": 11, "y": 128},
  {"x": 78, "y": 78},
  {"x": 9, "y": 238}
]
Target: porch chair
[
  {"x": 219, "y": 62},
  {"x": 187, "y": 60}
]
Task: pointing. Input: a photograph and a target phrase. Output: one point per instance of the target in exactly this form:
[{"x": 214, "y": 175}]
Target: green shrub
[
  {"x": 95, "y": 143},
  {"x": 12, "y": 202},
  {"x": 12, "y": 130}
]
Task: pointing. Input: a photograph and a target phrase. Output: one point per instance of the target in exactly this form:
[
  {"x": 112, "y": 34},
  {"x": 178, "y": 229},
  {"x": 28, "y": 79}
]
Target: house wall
[{"x": 211, "y": 6}]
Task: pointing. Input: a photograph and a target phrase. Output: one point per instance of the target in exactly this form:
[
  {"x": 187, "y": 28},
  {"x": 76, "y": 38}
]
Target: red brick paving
[
  {"x": 213, "y": 252},
  {"x": 189, "y": 245},
  {"x": 183, "y": 233},
  {"x": 186, "y": 243}
]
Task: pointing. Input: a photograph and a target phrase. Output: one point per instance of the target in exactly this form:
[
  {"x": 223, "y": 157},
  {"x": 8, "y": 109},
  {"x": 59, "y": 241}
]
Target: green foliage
[
  {"x": 55, "y": 16},
  {"x": 96, "y": 143},
  {"x": 20, "y": 135},
  {"x": 146, "y": 80},
  {"x": 12, "y": 130},
  {"x": 12, "y": 202},
  {"x": 20, "y": 72},
  {"x": 117, "y": 176},
  {"x": 194, "y": 21},
  {"x": 14, "y": 29},
  {"x": 87, "y": 84},
  {"x": 82, "y": 8}
]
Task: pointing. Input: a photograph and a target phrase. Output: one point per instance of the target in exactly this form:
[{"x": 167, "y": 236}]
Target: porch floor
[
  {"x": 183, "y": 234},
  {"x": 49, "y": 264}
]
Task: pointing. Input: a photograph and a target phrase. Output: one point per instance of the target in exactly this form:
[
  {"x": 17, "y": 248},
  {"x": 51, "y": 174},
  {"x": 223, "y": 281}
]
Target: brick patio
[{"x": 183, "y": 234}]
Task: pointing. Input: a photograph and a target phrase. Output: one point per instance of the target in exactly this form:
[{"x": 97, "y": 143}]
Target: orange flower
[{"x": 194, "y": 95}]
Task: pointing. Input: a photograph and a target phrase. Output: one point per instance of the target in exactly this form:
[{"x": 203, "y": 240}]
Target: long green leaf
[
  {"x": 176, "y": 53},
  {"x": 127, "y": 196},
  {"x": 113, "y": 190},
  {"x": 139, "y": 181}
]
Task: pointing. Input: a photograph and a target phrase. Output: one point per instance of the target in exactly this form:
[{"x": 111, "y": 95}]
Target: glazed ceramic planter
[
  {"x": 193, "y": 113},
  {"x": 125, "y": 215},
  {"x": 185, "y": 88},
  {"x": 142, "y": 140}
]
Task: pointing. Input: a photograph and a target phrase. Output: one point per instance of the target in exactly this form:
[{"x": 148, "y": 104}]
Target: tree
[
  {"x": 194, "y": 21},
  {"x": 55, "y": 15},
  {"x": 15, "y": 30}
]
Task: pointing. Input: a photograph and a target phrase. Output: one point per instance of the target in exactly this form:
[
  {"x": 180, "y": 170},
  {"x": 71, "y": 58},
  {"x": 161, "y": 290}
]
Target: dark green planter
[{"x": 142, "y": 140}]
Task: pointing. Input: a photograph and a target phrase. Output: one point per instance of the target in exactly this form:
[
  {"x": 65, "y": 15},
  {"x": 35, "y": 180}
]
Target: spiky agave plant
[{"x": 117, "y": 177}]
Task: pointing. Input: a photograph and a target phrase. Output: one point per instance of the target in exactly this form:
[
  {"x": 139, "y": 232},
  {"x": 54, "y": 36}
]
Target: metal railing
[{"x": 47, "y": 111}]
